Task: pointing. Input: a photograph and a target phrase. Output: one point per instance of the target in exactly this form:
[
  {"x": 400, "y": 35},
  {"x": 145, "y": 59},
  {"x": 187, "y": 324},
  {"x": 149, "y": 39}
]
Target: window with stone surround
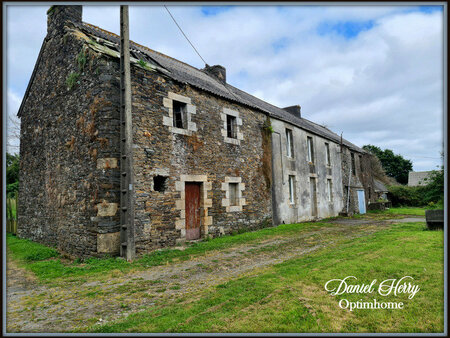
[
  {"x": 289, "y": 144},
  {"x": 291, "y": 189},
  {"x": 233, "y": 194},
  {"x": 180, "y": 110},
  {"x": 309, "y": 142},
  {"x": 233, "y": 188},
  {"x": 329, "y": 190},
  {"x": 231, "y": 126},
  {"x": 179, "y": 114},
  {"x": 327, "y": 154}
]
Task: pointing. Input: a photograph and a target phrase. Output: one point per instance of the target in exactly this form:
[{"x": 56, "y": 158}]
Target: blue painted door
[{"x": 361, "y": 202}]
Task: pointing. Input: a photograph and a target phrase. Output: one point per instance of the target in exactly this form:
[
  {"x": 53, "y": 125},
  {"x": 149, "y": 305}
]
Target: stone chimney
[
  {"x": 58, "y": 15},
  {"x": 294, "y": 110},
  {"x": 218, "y": 71}
]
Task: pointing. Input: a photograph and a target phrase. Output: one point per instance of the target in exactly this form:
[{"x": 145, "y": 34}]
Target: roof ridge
[
  {"x": 138, "y": 44},
  {"x": 224, "y": 90}
]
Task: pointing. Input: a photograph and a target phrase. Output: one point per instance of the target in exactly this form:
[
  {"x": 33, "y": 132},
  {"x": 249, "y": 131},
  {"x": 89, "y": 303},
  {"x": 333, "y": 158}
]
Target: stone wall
[
  {"x": 69, "y": 181},
  {"x": 361, "y": 180},
  {"x": 198, "y": 153}
]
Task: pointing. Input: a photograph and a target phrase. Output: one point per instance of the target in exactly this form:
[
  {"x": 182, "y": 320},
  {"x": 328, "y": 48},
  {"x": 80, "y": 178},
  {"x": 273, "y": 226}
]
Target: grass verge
[
  {"x": 46, "y": 264},
  {"x": 402, "y": 211}
]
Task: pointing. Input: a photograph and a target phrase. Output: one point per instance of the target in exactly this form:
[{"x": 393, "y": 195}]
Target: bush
[
  {"x": 401, "y": 195},
  {"x": 430, "y": 195}
]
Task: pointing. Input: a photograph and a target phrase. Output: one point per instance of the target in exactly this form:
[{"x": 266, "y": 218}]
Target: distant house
[
  {"x": 208, "y": 158},
  {"x": 416, "y": 178}
]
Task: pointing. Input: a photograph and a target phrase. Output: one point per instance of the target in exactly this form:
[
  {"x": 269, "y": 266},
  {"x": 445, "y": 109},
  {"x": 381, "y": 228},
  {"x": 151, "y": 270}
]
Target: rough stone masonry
[{"x": 192, "y": 134}]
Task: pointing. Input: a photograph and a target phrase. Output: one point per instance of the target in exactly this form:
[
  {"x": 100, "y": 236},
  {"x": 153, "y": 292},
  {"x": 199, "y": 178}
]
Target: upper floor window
[
  {"x": 309, "y": 141},
  {"x": 289, "y": 143},
  {"x": 179, "y": 114},
  {"x": 327, "y": 154},
  {"x": 231, "y": 126},
  {"x": 352, "y": 155},
  {"x": 360, "y": 163}
]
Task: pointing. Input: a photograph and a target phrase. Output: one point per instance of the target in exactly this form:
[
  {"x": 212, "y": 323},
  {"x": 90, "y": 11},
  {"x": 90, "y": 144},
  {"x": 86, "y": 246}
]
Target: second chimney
[
  {"x": 218, "y": 71},
  {"x": 294, "y": 110}
]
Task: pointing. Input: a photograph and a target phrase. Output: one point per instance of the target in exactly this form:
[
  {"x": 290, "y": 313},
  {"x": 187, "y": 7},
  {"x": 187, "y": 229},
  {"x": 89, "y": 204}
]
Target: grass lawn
[
  {"x": 405, "y": 211},
  {"x": 290, "y": 297},
  {"x": 286, "y": 297}
]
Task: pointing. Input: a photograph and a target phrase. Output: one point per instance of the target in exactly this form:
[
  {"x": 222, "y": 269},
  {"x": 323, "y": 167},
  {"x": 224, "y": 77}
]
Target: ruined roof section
[
  {"x": 379, "y": 186},
  {"x": 185, "y": 73}
]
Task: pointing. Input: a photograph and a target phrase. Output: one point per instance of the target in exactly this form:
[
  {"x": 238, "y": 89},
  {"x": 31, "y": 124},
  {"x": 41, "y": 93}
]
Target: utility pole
[{"x": 127, "y": 196}]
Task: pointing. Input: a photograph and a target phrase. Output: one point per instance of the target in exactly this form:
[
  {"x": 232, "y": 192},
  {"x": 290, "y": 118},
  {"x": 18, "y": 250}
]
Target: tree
[
  {"x": 12, "y": 173},
  {"x": 395, "y": 166},
  {"x": 434, "y": 191}
]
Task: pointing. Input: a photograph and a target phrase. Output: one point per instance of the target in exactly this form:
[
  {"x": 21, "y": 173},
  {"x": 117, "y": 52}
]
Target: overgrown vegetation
[
  {"x": 12, "y": 174},
  {"x": 81, "y": 60},
  {"x": 431, "y": 195},
  {"x": 51, "y": 10},
  {"x": 266, "y": 168},
  {"x": 395, "y": 166},
  {"x": 142, "y": 63},
  {"x": 72, "y": 79}
]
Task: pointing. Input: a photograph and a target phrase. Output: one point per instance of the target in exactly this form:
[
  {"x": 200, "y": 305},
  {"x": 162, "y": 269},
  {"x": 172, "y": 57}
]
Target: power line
[
  {"x": 229, "y": 91},
  {"x": 184, "y": 34}
]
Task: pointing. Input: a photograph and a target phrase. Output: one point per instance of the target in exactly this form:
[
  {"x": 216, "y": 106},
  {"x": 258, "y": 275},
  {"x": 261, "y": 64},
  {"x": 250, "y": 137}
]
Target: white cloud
[{"x": 383, "y": 86}]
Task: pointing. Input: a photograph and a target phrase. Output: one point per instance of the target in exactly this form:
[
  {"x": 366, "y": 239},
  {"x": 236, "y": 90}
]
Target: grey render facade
[{"x": 209, "y": 159}]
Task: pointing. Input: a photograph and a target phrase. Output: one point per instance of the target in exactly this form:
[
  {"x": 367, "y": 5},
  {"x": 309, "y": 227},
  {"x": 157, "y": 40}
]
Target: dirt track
[{"x": 34, "y": 307}]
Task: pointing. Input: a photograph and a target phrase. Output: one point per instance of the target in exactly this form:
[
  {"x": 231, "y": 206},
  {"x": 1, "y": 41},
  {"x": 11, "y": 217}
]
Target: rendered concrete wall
[{"x": 298, "y": 166}]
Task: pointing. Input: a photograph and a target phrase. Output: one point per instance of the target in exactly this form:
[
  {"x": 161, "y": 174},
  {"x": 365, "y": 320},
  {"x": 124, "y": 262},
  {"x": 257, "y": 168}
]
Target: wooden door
[
  {"x": 192, "y": 197},
  {"x": 312, "y": 182}
]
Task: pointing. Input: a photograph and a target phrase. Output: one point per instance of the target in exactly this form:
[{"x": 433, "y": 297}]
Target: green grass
[
  {"x": 402, "y": 211},
  {"x": 287, "y": 297},
  {"x": 53, "y": 269},
  {"x": 290, "y": 297}
]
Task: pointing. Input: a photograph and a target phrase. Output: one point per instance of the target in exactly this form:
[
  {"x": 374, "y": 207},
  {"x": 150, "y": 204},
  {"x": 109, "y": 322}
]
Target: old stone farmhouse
[{"x": 209, "y": 158}]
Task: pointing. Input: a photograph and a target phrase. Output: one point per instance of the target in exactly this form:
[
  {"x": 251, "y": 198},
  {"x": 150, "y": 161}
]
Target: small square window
[
  {"x": 231, "y": 126},
  {"x": 159, "y": 183},
  {"x": 179, "y": 114},
  {"x": 233, "y": 187}
]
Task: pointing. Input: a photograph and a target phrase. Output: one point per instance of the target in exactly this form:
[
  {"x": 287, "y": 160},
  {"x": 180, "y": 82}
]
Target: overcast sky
[{"x": 373, "y": 73}]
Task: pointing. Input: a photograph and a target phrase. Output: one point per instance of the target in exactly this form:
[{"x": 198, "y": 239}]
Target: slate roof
[
  {"x": 198, "y": 78},
  {"x": 379, "y": 186}
]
